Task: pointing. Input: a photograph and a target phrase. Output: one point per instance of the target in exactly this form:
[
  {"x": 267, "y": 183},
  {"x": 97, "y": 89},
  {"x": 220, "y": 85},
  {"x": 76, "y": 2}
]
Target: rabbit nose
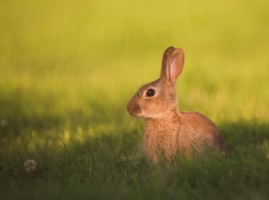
[{"x": 133, "y": 109}]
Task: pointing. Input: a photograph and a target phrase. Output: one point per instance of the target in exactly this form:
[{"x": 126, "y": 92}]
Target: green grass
[{"x": 68, "y": 69}]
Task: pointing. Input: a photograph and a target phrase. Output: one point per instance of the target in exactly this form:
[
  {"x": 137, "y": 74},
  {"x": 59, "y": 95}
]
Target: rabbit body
[
  {"x": 168, "y": 131},
  {"x": 180, "y": 132}
]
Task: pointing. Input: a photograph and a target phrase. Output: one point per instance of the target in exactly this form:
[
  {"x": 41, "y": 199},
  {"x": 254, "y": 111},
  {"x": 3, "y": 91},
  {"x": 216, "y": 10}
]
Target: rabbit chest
[{"x": 163, "y": 136}]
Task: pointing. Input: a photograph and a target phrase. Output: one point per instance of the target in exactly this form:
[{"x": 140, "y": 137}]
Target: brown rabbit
[{"x": 168, "y": 131}]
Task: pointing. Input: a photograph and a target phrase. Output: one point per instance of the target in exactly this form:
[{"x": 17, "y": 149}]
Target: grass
[{"x": 67, "y": 70}]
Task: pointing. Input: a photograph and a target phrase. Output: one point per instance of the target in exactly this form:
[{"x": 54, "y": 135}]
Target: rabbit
[{"x": 168, "y": 131}]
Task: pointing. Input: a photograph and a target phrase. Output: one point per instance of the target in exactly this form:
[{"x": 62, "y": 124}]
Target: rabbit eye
[{"x": 150, "y": 93}]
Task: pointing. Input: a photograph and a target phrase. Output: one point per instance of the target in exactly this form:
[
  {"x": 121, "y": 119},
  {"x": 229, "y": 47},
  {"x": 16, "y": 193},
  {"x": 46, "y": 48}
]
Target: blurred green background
[{"x": 68, "y": 69}]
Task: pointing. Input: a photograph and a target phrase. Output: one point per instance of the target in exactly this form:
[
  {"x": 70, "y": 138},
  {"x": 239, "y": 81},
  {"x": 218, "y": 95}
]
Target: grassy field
[{"x": 68, "y": 69}]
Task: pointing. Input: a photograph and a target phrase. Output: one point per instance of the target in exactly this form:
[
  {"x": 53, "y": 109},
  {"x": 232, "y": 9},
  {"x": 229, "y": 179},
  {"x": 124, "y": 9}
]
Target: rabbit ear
[
  {"x": 166, "y": 55},
  {"x": 172, "y": 64}
]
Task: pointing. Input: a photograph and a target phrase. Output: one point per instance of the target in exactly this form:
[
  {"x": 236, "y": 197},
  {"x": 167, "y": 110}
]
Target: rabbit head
[{"x": 157, "y": 98}]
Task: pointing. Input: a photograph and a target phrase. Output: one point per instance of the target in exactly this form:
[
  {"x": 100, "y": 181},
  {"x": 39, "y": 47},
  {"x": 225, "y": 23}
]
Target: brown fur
[{"x": 168, "y": 131}]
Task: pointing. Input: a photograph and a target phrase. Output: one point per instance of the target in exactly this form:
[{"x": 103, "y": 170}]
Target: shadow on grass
[
  {"x": 112, "y": 165},
  {"x": 25, "y": 110},
  {"x": 245, "y": 136}
]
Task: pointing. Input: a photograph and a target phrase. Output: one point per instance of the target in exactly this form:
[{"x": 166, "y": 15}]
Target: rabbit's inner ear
[
  {"x": 174, "y": 65},
  {"x": 165, "y": 59}
]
